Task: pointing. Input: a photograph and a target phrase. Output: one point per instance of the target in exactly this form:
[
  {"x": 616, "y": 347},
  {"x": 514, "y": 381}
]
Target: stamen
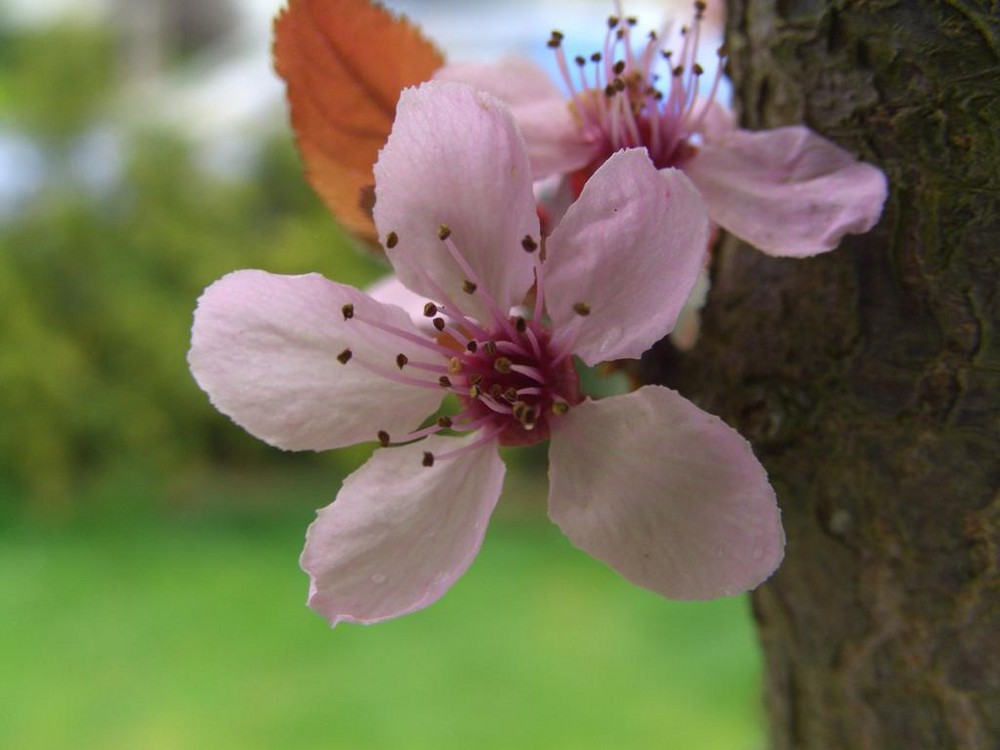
[
  {"x": 347, "y": 311},
  {"x": 428, "y": 459},
  {"x": 444, "y": 231},
  {"x": 529, "y": 244},
  {"x": 391, "y": 240},
  {"x": 502, "y": 365},
  {"x": 383, "y": 438},
  {"x": 345, "y": 356},
  {"x": 581, "y": 308},
  {"x": 439, "y": 323},
  {"x": 468, "y": 287},
  {"x": 401, "y": 360},
  {"x": 444, "y": 381},
  {"x": 430, "y": 310}
]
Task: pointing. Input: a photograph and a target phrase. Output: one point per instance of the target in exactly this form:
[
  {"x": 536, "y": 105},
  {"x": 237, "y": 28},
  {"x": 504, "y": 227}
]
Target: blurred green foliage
[{"x": 98, "y": 286}]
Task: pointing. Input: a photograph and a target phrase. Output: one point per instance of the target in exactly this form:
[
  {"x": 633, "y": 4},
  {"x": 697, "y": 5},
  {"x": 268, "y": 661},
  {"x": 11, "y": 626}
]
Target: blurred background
[{"x": 150, "y": 595}]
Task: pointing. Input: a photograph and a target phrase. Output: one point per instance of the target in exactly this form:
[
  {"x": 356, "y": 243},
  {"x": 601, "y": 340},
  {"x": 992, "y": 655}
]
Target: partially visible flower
[
  {"x": 666, "y": 494},
  {"x": 788, "y": 191}
]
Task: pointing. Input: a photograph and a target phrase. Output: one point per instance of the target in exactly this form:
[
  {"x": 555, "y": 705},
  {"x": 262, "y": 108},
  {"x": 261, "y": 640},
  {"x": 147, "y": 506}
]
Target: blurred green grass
[{"x": 184, "y": 632}]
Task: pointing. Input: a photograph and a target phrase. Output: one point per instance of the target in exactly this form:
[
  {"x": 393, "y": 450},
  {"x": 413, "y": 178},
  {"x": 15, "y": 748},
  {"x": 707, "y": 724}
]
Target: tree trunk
[{"x": 868, "y": 379}]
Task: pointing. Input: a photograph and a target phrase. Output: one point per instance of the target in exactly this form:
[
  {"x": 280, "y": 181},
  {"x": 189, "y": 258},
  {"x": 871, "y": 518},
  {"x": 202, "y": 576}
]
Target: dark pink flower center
[{"x": 628, "y": 96}]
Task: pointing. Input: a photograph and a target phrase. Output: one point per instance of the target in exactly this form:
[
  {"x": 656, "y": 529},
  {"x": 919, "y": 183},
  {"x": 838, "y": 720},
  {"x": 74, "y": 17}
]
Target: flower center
[
  {"x": 623, "y": 100},
  {"x": 516, "y": 383},
  {"x": 511, "y": 378}
]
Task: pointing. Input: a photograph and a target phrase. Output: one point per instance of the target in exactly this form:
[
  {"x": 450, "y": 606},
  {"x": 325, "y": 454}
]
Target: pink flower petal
[
  {"x": 630, "y": 250},
  {"x": 264, "y": 347},
  {"x": 667, "y": 495},
  {"x": 400, "y": 534},
  {"x": 788, "y": 191},
  {"x": 556, "y": 144},
  {"x": 389, "y": 290},
  {"x": 456, "y": 158}
]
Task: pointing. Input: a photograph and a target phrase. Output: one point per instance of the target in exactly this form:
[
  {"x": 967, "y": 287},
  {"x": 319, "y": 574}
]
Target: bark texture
[{"x": 868, "y": 378}]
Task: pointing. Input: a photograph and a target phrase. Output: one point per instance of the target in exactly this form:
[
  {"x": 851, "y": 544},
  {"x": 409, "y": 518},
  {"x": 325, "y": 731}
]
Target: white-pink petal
[
  {"x": 400, "y": 534},
  {"x": 666, "y": 494},
  {"x": 455, "y": 158},
  {"x": 789, "y": 191},
  {"x": 265, "y": 346},
  {"x": 556, "y": 142},
  {"x": 628, "y": 251}
]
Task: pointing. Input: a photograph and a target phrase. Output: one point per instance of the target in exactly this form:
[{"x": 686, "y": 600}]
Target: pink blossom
[
  {"x": 788, "y": 191},
  {"x": 667, "y": 495}
]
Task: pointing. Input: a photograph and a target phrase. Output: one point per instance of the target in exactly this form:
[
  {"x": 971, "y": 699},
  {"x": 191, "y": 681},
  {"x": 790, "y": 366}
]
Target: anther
[
  {"x": 555, "y": 40},
  {"x": 520, "y": 324},
  {"x": 613, "y": 21},
  {"x": 490, "y": 347},
  {"x": 559, "y": 408},
  {"x": 678, "y": 71},
  {"x": 722, "y": 51},
  {"x": 454, "y": 366},
  {"x": 581, "y": 308},
  {"x": 596, "y": 57},
  {"x": 383, "y": 438},
  {"x": 632, "y": 20},
  {"x": 430, "y": 310},
  {"x": 347, "y": 311},
  {"x": 609, "y": 91},
  {"x": 345, "y": 356},
  {"x": 391, "y": 240},
  {"x": 502, "y": 365},
  {"x": 618, "y": 84},
  {"x": 475, "y": 391},
  {"x": 428, "y": 459},
  {"x": 472, "y": 346},
  {"x": 468, "y": 287},
  {"x": 510, "y": 394},
  {"x": 580, "y": 60},
  {"x": 401, "y": 360},
  {"x": 444, "y": 381},
  {"x": 496, "y": 391},
  {"x": 699, "y": 8},
  {"x": 619, "y": 67},
  {"x": 475, "y": 379},
  {"x": 444, "y": 422},
  {"x": 439, "y": 323},
  {"x": 698, "y": 70},
  {"x": 444, "y": 232},
  {"x": 528, "y": 243}
]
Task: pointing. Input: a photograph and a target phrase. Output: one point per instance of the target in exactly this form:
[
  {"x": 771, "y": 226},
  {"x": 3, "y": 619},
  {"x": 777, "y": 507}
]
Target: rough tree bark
[{"x": 868, "y": 379}]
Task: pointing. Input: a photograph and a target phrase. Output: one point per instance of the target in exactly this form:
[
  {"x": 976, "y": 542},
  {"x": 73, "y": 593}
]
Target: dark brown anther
[
  {"x": 444, "y": 232},
  {"x": 383, "y": 438},
  {"x": 439, "y": 323},
  {"x": 401, "y": 360},
  {"x": 613, "y": 21},
  {"x": 678, "y": 71},
  {"x": 596, "y": 57},
  {"x": 444, "y": 381},
  {"x": 632, "y": 20},
  {"x": 609, "y": 91},
  {"x": 510, "y": 395},
  {"x": 582, "y": 309},
  {"x": 345, "y": 356},
  {"x": 347, "y": 311},
  {"x": 580, "y": 60},
  {"x": 475, "y": 379},
  {"x": 529, "y": 244},
  {"x": 391, "y": 240},
  {"x": 699, "y": 8},
  {"x": 428, "y": 459},
  {"x": 502, "y": 365},
  {"x": 444, "y": 422},
  {"x": 490, "y": 347},
  {"x": 620, "y": 34},
  {"x": 472, "y": 346},
  {"x": 430, "y": 310},
  {"x": 524, "y": 414},
  {"x": 468, "y": 287},
  {"x": 722, "y": 51},
  {"x": 619, "y": 67},
  {"x": 555, "y": 39},
  {"x": 520, "y": 324},
  {"x": 618, "y": 84},
  {"x": 698, "y": 70},
  {"x": 652, "y": 36}
]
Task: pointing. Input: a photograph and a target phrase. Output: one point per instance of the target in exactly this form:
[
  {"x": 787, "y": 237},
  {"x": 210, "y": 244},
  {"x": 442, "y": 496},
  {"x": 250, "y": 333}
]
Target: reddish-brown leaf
[{"x": 344, "y": 63}]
